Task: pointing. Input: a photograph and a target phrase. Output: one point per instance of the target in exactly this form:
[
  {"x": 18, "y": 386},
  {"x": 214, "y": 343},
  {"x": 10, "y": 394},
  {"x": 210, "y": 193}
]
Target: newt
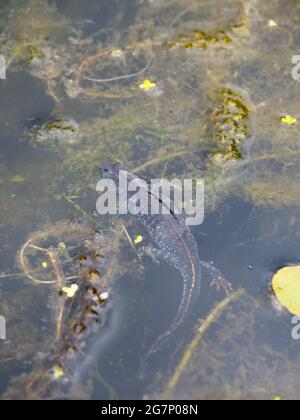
[{"x": 176, "y": 245}]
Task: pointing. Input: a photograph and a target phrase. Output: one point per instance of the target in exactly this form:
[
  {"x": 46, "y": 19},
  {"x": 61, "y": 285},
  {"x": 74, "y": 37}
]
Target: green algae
[
  {"x": 33, "y": 53},
  {"x": 201, "y": 125},
  {"x": 53, "y": 133},
  {"x": 231, "y": 125},
  {"x": 200, "y": 39}
]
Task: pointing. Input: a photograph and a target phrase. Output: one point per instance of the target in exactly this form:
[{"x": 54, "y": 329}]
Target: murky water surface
[{"x": 173, "y": 88}]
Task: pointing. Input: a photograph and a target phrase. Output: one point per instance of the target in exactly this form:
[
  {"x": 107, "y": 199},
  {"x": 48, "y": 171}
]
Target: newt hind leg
[{"x": 218, "y": 280}]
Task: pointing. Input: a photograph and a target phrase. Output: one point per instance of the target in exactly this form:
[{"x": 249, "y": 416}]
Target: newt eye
[{"x": 103, "y": 171}]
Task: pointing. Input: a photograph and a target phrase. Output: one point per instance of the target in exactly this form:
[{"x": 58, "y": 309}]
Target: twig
[
  {"x": 201, "y": 330},
  {"x": 160, "y": 159},
  {"x": 126, "y": 76},
  {"x": 130, "y": 240},
  {"x": 60, "y": 281},
  {"x": 88, "y": 92},
  {"x": 112, "y": 393},
  {"x": 24, "y": 265},
  {"x": 101, "y": 54}
]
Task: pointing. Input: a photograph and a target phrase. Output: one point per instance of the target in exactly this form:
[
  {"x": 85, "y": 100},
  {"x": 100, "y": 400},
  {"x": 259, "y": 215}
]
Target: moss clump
[
  {"x": 201, "y": 39},
  {"x": 34, "y": 53},
  {"x": 56, "y": 132},
  {"x": 230, "y": 125}
]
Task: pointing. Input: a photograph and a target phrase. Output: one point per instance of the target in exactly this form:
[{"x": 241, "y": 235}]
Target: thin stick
[
  {"x": 182, "y": 13},
  {"x": 24, "y": 265},
  {"x": 60, "y": 281},
  {"x": 7, "y": 276},
  {"x": 201, "y": 330},
  {"x": 130, "y": 240},
  {"x": 60, "y": 277},
  {"x": 101, "y": 54},
  {"x": 126, "y": 76},
  {"x": 112, "y": 393},
  {"x": 160, "y": 159}
]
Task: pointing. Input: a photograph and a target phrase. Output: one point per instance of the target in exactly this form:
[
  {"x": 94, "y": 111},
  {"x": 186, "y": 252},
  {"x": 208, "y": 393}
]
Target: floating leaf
[
  {"x": 289, "y": 120},
  {"x": 139, "y": 239},
  {"x": 147, "y": 85},
  {"x": 272, "y": 23},
  {"x": 286, "y": 286},
  {"x": 71, "y": 291},
  {"x": 58, "y": 372},
  {"x": 62, "y": 246},
  {"x": 117, "y": 54},
  {"x": 45, "y": 264}
]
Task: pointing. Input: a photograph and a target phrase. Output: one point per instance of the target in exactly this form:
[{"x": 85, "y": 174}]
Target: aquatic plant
[
  {"x": 188, "y": 89},
  {"x": 61, "y": 257}
]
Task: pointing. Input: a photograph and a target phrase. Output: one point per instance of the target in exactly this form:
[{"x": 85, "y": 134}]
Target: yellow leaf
[
  {"x": 286, "y": 286},
  {"x": 58, "y": 372},
  {"x": 18, "y": 179},
  {"x": 71, "y": 291},
  {"x": 62, "y": 246},
  {"x": 147, "y": 85},
  {"x": 117, "y": 53},
  {"x": 289, "y": 120},
  {"x": 139, "y": 239},
  {"x": 277, "y": 398},
  {"x": 272, "y": 23},
  {"x": 45, "y": 264}
]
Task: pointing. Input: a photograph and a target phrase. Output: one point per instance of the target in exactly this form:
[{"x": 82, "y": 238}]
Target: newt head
[{"x": 110, "y": 170}]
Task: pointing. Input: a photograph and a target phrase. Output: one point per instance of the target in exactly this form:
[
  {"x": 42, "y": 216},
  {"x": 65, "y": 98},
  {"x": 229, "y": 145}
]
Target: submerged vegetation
[
  {"x": 231, "y": 126},
  {"x": 76, "y": 267},
  {"x": 54, "y": 132},
  {"x": 187, "y": 89},
  {"x": 235, "y": 362}
]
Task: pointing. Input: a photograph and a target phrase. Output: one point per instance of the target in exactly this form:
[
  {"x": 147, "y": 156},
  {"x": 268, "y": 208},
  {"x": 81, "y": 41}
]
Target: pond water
[{"x": 173, "y": 88}]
